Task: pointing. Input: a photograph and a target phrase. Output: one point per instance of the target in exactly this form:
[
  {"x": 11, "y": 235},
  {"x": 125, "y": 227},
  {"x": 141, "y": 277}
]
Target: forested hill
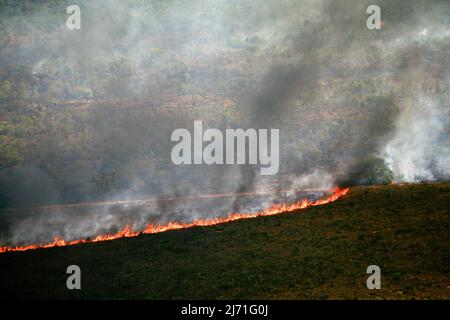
[{"x": 87, "y": 114}]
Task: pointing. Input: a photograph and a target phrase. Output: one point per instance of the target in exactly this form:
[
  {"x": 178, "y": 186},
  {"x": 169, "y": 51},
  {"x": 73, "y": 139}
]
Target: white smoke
[{"x": 413, "y": 153}]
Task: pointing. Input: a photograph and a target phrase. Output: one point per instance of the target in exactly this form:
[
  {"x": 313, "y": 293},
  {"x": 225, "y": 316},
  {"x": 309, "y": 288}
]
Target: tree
[
  {"x": 8, "y": 154},
  {"x": 368, "y": 171}
]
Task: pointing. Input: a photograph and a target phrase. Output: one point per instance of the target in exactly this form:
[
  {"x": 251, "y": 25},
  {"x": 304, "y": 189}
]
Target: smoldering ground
[{"x": 340, "y": 94}]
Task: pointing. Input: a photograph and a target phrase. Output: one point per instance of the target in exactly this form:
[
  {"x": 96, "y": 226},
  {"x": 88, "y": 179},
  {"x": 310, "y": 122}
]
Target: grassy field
[{"x": 316, "y": 253}]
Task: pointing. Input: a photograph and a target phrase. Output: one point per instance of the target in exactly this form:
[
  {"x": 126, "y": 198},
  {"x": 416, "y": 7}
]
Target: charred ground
[{"x": 320, "y": 252}]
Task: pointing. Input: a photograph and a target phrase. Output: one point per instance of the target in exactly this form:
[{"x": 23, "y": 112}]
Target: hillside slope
[{"x": 319, "y": 252}]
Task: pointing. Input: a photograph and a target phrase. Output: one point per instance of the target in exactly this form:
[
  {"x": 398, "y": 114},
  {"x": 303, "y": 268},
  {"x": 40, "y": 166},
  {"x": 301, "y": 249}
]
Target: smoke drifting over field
[{"x": 86, "y": 115}]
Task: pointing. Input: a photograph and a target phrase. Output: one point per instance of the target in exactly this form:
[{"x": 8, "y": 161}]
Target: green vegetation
[
  {"x": 369, "y": 171},
  {"x": 91, "y": 112},
  {"x": 319, "y": 253},
  {"x": 88, "y": 116}
]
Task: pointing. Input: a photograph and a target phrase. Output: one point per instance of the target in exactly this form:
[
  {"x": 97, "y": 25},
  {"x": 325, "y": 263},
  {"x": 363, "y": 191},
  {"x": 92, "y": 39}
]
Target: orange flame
[{"x": 127, "y": 232}]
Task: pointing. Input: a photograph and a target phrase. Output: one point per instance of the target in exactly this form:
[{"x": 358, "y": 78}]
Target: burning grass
[
  {"x": 127, "y": 231},
  {"x": 322, "y": 253}
]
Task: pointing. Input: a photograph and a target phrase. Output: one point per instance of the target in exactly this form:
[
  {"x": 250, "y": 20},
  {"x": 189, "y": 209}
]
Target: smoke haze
[{"x": 86, "y": 115}]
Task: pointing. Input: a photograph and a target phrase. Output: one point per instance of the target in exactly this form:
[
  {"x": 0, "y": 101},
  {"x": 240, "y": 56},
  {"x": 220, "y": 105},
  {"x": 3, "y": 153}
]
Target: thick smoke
[
  {"x": 111, "y": 93},
  {"x": 414, "y": 152}
]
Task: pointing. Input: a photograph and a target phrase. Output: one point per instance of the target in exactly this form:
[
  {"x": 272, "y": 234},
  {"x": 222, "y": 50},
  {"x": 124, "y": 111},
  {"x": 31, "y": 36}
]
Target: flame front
[{"x": 127, "y": 232}]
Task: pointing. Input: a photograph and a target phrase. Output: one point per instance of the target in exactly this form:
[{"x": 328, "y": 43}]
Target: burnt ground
[{"x": 316, "y": 253}]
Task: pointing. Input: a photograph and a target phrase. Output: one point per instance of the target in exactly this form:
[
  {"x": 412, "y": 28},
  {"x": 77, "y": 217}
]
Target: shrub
[{"x": 369, "y": 171}]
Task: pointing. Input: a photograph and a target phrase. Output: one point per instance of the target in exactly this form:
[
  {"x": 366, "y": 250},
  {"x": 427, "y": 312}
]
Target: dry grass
[{"x": 317, "y": 253}]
